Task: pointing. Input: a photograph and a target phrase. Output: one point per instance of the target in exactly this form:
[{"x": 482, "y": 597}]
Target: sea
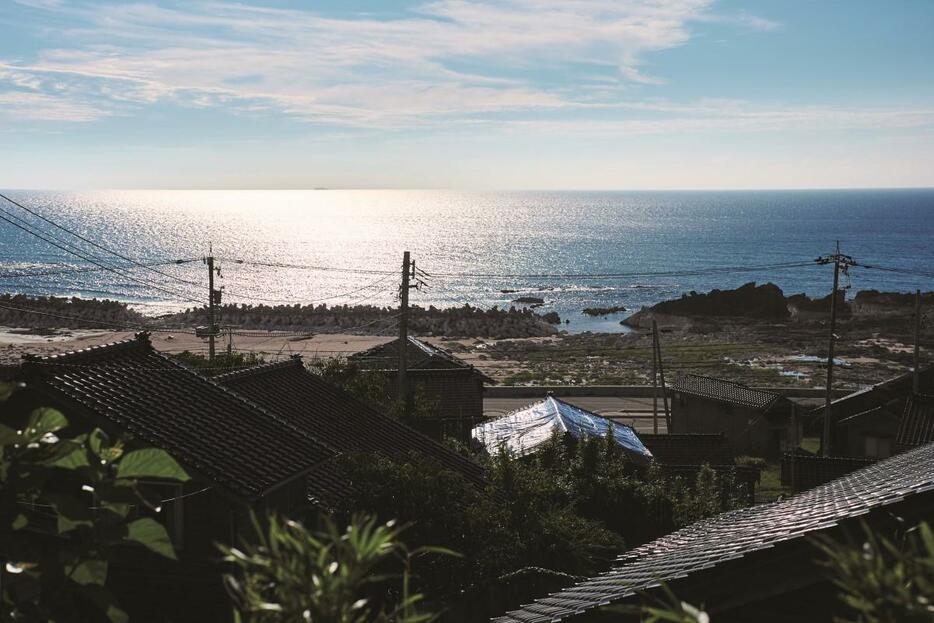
[{"x": 574, "y": 250}]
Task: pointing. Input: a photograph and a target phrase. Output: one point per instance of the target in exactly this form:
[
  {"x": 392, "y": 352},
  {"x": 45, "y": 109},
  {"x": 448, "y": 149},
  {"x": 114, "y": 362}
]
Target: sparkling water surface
[{"x": 479, "y": 233}]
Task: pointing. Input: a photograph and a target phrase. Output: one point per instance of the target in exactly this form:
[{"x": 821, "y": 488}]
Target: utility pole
[
  {"x": 916, "y": 376},
  {"x": 654, "y": 383},
  {"x": 661, "y": 374},
  {"x": 214, "y": 297},
  {"x": 404, "y": 332},
  {"x": 794, "y": 444},
  {"x": 209, "y": 260},
  {"x": 840, "y": 262}
]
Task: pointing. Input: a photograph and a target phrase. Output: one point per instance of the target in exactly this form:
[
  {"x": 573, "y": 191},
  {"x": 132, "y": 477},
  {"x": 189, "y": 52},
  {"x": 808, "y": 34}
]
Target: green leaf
[
  {"x": 64, "y": 524},
  {"x": 44, "y": 420},
  {"x": 8, "y": 436},
  {"x": 152, "y": 535},
  {"x": 74, "y": 459},
  {"x": 150, "y": 463},
  {"x": 90, "y": 572},
  {"x": 98, "y": 441},
  {"x": 6, "y": 390},
  {"x": 20, "y": 522}
]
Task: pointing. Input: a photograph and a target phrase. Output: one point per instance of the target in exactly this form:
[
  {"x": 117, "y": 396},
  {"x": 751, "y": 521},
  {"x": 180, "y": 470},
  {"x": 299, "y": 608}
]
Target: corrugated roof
[
  {"x": 219, "y": 435},
  {"x": 917, "y": 423},
  {"x": 721, "y": 540},
  {"x": 420, "y": 355},
  {"x": 338, "y": 420},
  {"x": 524, "y": 431},
  {"x": 724, "y": 391}
]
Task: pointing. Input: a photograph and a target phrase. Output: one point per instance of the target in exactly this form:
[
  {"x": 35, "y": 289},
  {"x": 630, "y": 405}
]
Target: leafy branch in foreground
[
  {"x": 66, "y": 505},
  {"x": 881, "y": 580},
  {"x": 292, "y": 574}
]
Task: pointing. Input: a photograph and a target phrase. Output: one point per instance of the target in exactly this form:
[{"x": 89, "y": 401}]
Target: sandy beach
[{"x": 15, "y": 342}]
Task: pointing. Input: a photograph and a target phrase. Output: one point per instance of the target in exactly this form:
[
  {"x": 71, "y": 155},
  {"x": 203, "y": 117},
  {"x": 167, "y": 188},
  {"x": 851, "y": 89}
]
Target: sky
[{"x": 506, "y": 94}]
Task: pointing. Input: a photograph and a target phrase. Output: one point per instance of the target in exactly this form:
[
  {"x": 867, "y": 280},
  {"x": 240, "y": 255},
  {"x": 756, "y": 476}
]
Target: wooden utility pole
[
  {"x": 654, "y": 383},
  {"x": 843, "y": 262},
  {"x": 209, "y": 260},
  {"x": 794, "y": 443},
  {"x": 661, "y": 374},
  {"x": 916, "y": 376},
  {"x": 404, "y": 333}
]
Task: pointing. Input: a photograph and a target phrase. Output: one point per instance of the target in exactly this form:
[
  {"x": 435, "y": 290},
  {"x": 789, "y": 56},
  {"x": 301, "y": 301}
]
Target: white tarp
[{"x": 522, "y": 432}]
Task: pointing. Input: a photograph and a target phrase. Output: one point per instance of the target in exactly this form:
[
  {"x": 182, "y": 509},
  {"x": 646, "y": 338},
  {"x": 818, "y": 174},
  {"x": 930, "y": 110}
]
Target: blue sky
[{"x": 603, "y": 94}]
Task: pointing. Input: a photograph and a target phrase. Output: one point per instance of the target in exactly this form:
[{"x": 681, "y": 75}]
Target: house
[
  {"x": 339, "y": 421},
  {"x": 525, "y": 431},
  {"x": 438, "y": 375},
  {"x": 917, "y": 423},
  {"x": 802, "y": 471},
  {"x": 865, "y": 422},
  {"x": 756, "y": 563},
  {"x": 262, "y": 439},
  {"x": 241, "y": 458},
  {"x": 754, "y": 421},
  {"x": 683, "y": 454}
]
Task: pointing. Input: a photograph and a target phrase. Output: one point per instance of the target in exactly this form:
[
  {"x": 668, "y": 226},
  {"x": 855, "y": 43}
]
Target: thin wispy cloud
[{"x": 434, "y": 61}]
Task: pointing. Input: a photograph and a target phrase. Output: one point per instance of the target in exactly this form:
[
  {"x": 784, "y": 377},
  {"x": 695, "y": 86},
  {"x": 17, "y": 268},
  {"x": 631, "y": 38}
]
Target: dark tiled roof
[
  {"x": 917, "y": 424},
  {"x": 232, "y": 442},
  {"x": 716, "y": 543},
  {"x": 724, "y": 391},
  {"x": 689, "y": 448},
  {"x": 897, "y": 388},
  {"x": 337, "y": 419},
  {"x": 811, "y": 470},
  {"x": 420, "y": 356}
]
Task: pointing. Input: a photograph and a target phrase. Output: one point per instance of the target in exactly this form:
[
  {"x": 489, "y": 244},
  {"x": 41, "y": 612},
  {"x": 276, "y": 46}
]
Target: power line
[
  {"x": 361, "y": 271},
  {"x": 96, "y": 245},
  {"x": 96, "y": 261},
  {"x": 99, "y": 323},
  {"x": 670, "y": 273},
  {"x": 88, "y": 269}
]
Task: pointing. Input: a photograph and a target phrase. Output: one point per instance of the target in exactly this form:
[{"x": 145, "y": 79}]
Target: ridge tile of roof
[
  {"x": 719, "y": 540},
  {"x": 338, "y": 420},
  {"x": 226, "y": 439},
  {"x": 725, "y": 391},
  {"x": 420, "y": 354}
]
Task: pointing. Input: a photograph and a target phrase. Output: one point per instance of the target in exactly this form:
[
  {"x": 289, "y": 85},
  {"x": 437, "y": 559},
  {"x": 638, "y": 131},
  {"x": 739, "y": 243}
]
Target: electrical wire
[
  {"x": 96, "y": 245},
  {"x": 87, "y": 269},
  {"x": 99, "y": 323},
  {"x": 96, "y": 261}
]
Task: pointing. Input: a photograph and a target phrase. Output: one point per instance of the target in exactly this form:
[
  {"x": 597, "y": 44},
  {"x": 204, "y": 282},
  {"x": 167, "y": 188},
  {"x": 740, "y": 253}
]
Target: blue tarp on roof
[{"x": 524, "y": 431}]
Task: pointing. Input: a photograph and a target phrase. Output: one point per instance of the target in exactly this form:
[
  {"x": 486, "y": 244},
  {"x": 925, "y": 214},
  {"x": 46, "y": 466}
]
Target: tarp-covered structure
[{"x": 522, "y": 432}]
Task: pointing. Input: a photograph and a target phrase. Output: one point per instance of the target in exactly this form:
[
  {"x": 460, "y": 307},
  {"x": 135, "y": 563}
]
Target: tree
[
  {"x": 67, "y": 505},
  {"x": 287, "y": 573}
]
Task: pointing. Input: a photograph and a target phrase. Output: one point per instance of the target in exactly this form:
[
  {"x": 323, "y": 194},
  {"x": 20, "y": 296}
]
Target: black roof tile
[
  {"x": 917, "y": 423},
  {"x": 337, "y": 420},
  {"x": 419, "y": 356},
  {"x": 735, "y": 534},
  {"x": 228, "y": 440},
  {"x": 724, "y": 391}
]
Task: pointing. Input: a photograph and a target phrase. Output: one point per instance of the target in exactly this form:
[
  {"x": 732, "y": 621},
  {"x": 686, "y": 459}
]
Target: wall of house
[
  {"x": 459, "y": 396},
  {"x": 747, "y": 430},
  {"x": 868, "y": 437}
]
